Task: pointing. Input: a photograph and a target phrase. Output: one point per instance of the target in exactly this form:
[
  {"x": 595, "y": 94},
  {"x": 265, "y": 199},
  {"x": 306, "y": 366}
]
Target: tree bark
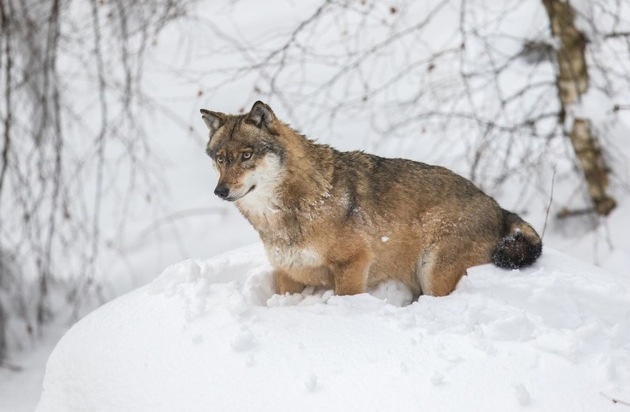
[{"x": 572, "y": 82}]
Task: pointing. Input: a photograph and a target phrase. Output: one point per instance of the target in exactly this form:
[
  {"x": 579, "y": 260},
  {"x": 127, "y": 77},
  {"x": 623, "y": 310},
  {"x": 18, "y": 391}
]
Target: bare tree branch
[
  {"x": 8, "y": 118},
  {"x": 55, "y": 182}
]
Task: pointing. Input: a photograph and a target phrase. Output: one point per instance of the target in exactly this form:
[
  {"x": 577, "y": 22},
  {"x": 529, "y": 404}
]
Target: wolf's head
[{"x": 246, "y": 152}]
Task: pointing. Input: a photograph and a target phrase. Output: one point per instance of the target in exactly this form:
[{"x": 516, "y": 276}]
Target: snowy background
[{"x": 553, "y": 337}]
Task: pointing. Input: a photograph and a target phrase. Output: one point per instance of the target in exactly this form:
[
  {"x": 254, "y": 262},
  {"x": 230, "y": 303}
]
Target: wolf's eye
[
  {"x": 220, "y": 159},
  {"x": 247, "y": 155}
]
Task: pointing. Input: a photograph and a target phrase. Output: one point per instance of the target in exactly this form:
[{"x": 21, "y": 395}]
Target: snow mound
[{"x": 211, "y": 335}]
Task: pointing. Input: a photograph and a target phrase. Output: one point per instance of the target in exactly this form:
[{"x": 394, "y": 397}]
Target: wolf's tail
[{"x": 520, "y": 245}]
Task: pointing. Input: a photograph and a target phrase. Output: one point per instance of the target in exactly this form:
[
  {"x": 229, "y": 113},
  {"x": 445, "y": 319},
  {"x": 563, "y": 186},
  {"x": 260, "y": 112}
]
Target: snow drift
[{"x": 212, "y": 336}]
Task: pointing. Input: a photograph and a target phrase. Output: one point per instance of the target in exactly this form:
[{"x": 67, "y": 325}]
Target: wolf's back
[{"x": 520, "y": 245}]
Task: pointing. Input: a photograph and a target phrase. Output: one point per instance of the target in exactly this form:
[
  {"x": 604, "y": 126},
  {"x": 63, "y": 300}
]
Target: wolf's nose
[{"x": 222, "y": 191}]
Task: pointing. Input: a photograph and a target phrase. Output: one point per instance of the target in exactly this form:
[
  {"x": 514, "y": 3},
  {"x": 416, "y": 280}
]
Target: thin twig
[
  {"x": 614, "y": 400},
  {"x": 6, "y": 31},
  {"x": 46, "y": 262},
  {"x": 564, "y": 212},
  {"x": 553, "y": 180}
]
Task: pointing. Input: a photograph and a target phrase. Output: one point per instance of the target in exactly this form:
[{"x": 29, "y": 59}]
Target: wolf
[{"x": 349, "y": 220}]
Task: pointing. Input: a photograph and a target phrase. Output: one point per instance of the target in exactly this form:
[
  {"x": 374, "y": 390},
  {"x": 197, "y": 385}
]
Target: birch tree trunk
[{"x": 572, "y": 82}]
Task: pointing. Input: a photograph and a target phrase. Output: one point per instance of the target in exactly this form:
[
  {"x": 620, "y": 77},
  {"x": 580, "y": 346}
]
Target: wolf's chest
[{"x": 293, "y": 257}]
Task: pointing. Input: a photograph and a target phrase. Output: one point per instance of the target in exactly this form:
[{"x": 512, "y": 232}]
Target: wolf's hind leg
[
  {"x": 439, "y": 270},
  {"x": 286, "y": 284}
]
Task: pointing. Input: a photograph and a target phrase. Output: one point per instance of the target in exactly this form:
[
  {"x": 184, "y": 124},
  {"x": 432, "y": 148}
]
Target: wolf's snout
[{"x": 222, "y": 191}]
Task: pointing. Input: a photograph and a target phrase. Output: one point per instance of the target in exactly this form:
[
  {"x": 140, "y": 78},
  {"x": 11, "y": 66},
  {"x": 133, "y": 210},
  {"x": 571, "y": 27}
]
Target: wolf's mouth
[{"x": 233, "y": 199}]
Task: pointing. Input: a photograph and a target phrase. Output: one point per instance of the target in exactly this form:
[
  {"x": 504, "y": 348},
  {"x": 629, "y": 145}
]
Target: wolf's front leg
[
  {"x": 351, "y": 276},
  {"x": 285, "y": 284}
]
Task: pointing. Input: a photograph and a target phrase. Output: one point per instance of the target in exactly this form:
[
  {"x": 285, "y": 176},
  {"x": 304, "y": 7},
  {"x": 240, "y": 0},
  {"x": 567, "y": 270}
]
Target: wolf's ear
[
  {"x": 261, "y": 115},
  {"x": 213, "y": 120}
]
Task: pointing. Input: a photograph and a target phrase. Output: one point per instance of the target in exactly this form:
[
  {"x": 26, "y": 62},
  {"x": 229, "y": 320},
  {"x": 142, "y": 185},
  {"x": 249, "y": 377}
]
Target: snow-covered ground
[{"x": 211, "y": 335}]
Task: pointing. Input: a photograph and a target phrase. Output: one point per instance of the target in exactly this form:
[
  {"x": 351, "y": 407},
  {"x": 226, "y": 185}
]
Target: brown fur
[{"x": 349, "y": 220}]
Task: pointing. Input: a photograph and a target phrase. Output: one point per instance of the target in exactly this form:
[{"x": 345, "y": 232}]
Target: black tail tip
[{"x": 516, "y": 251}]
